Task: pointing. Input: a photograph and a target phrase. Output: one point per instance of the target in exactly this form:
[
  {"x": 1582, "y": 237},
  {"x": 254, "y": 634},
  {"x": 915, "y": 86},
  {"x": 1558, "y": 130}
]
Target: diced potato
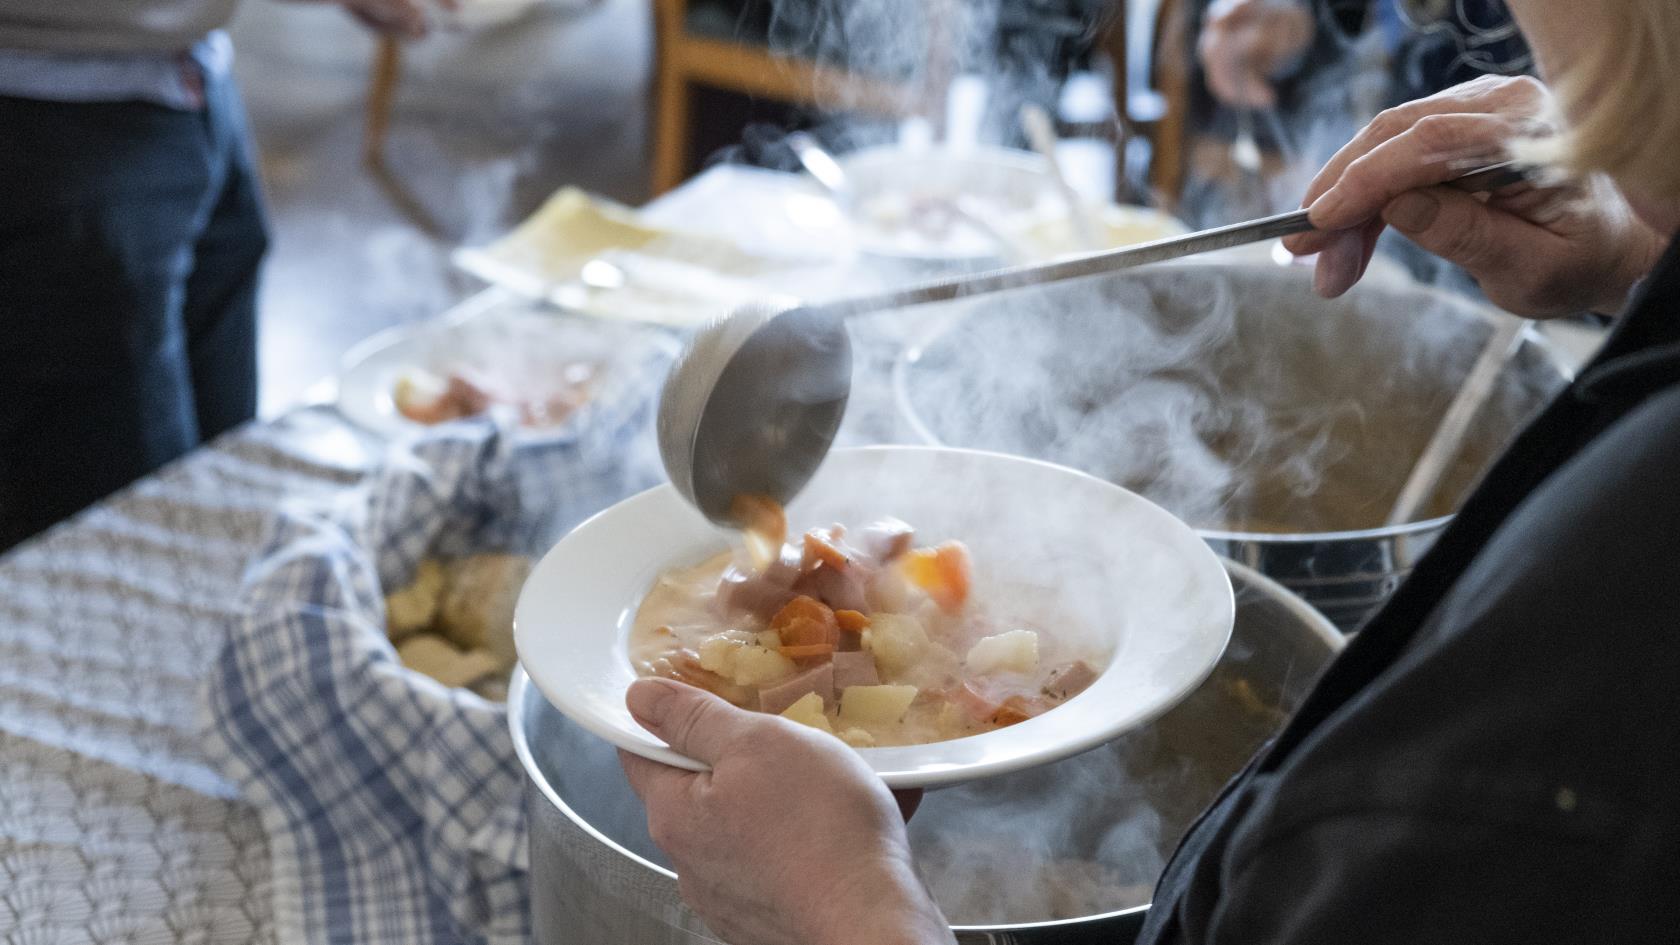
[
  {"x": 896, "y": 641},
  {"x": 759, "y": 666},
  {"x": 808, "y": 710},
  {"x": 875, "y": 705},
  {"x": 1015, "y": 651},
  {"x": 888, "y": 591},
  {"x": 719, "y": 652},
  {"x": 769, "y": 639},
  {"x": 856, "y": 737}
]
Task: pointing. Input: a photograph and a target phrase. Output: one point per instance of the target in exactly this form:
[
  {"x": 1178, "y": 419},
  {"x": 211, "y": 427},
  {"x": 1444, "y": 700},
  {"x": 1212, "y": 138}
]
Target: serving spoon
[{"x": 754, "y": 401}]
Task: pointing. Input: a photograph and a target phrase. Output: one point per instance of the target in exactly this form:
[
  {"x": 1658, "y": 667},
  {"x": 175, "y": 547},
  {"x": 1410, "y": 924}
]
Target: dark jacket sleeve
[{"x": 1512, "y": 777}]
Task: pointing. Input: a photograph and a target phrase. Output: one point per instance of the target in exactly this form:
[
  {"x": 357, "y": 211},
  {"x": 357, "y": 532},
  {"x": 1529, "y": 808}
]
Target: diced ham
[
  {"x": 854, "y": 669},
  {"x": 886, "y": 540},
  {"x": 980, "y": 706},
  {"x": 1070, "y": 680},
  {"x": 818, "y": 679},
  {"x": 741, "y": 593},
  {"x": 840, "y": 590},
  {"x": 469, "y": 397},
  {"x": 785, "y": 571}
]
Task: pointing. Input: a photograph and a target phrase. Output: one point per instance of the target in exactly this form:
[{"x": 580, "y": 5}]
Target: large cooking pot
[
  {"x": 1066, "y": 853},
  {"x": 1279, "y": 424}
]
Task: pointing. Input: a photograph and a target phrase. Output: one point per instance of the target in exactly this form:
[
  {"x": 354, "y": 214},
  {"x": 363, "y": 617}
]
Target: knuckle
[
  {"x": 1357, "y": 178},
  {"x": 1438, "y": 130},
  {"x": 1389, "y": 122},
  {"x": 662, "y": 831},
  {"x": 1524, "y": 87}
]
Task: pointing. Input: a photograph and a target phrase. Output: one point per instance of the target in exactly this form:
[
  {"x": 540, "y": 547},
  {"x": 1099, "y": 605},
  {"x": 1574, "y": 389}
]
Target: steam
[{"x": 1091, "y": 834}]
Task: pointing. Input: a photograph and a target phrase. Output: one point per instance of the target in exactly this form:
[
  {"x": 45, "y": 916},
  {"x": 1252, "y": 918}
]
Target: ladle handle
[{"x": 1491, "y": 177}]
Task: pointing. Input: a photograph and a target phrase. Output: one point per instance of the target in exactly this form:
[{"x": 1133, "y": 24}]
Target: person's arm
[
  {"x": 789, "y": 837},
  {"x": 1536, "y": 251},
  {"x": 1245, "y": 46}
]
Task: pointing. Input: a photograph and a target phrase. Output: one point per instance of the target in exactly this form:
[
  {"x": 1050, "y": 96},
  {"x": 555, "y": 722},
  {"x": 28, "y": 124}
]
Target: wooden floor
[{"x": 486, "y": 124}]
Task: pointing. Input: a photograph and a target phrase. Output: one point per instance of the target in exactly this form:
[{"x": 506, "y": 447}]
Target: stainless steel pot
[
  {"x": 1279, "y": 424},
  {"x": 1066, "y": 853}
]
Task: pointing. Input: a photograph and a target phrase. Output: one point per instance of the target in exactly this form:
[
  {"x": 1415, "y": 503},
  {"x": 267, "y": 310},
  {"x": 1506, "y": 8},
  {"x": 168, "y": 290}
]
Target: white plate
[
  {"x": 594, "y": 257},
  {"x": 1136, "y": 578},
  {"x": 370, "y": 370}
]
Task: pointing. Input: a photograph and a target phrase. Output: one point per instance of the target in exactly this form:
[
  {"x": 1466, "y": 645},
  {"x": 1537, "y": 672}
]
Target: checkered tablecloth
[{"x": 203, "y": 734}]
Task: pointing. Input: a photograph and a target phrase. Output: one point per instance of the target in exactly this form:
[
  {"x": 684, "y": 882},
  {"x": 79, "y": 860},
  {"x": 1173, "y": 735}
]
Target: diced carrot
[
  {"x": 851, "y": 621},
  {"x": 806, "y": 651},
  {"x": 944, "y": 572},
  {"x": 823, "y": 547},
  {"x": 806, "y": 620},
  {"x": 1015, "y": 709}
]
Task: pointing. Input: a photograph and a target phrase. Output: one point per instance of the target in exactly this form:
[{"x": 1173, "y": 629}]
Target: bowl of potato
[{"x": 1032, "y": 612}]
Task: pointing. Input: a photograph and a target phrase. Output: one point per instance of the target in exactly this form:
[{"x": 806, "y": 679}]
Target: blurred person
[
  {"x": 1255, "y": 53},
  {"x": 131, "y": 237},
  {"x": 1492, "y": 759},
  {"x": 1302, "y": 75}
]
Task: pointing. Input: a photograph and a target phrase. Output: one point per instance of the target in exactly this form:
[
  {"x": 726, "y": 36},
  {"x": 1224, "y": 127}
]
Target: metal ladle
[{"x": 753, "y": 403}]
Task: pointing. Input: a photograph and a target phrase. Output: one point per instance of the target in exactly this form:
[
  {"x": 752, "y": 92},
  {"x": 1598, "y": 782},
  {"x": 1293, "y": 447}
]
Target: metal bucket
[
  {"x": 1066, "y": 853},
  {"x": 1279, "y": 424}
]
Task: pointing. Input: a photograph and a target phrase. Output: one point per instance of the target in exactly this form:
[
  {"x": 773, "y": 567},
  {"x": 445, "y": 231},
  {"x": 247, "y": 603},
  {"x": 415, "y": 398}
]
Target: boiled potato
[
  {"x": 477, "y": 608},
  {"x": 759, "y": 666},
  {"x": 808, "y": 710},
  {"x": 1015, "y": 651},
  {"x": 440, "y": 659},
  {"x": 720, "y": 652},
  {"x": 411, "y": 609},
  {"x": 896, "y": 642},
  {"x": 856, "y": 737},
  {"x": 875, "y": 705}
]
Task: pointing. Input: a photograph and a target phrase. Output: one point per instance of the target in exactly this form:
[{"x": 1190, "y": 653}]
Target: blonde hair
[{"x": 1621, "y": 117}]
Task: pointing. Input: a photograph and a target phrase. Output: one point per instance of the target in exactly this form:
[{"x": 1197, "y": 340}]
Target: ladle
[{"x": 754, "y": 401}]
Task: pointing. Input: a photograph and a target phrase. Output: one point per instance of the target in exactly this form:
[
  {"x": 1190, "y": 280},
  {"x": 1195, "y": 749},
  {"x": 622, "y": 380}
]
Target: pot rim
[{"x": 910, "y": 354}]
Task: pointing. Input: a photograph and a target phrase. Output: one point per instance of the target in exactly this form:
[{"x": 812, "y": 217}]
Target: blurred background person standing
[{"x": 131, "y": 238}]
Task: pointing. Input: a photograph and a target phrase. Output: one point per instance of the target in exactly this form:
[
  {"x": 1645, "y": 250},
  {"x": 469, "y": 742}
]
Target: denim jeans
[{"x": 131, "y": 236}]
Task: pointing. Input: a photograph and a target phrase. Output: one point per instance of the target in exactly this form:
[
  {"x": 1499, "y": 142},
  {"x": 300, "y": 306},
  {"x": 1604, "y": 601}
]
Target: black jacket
[{"x": 1496, "y": 757}]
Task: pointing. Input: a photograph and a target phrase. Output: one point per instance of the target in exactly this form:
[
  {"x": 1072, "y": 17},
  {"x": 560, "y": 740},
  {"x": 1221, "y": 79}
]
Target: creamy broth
[{"x": 930, "y": 665}]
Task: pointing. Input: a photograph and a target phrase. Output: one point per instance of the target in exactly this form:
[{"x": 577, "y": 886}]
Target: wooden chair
[
  {"x": 384, "y": 76},
  {"x": 686, "y": 61},
  {"x": 1148, "y": 41}
]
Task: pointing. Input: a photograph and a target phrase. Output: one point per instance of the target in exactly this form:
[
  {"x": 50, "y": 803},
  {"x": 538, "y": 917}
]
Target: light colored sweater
[{"x": 109, "y": 26}]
